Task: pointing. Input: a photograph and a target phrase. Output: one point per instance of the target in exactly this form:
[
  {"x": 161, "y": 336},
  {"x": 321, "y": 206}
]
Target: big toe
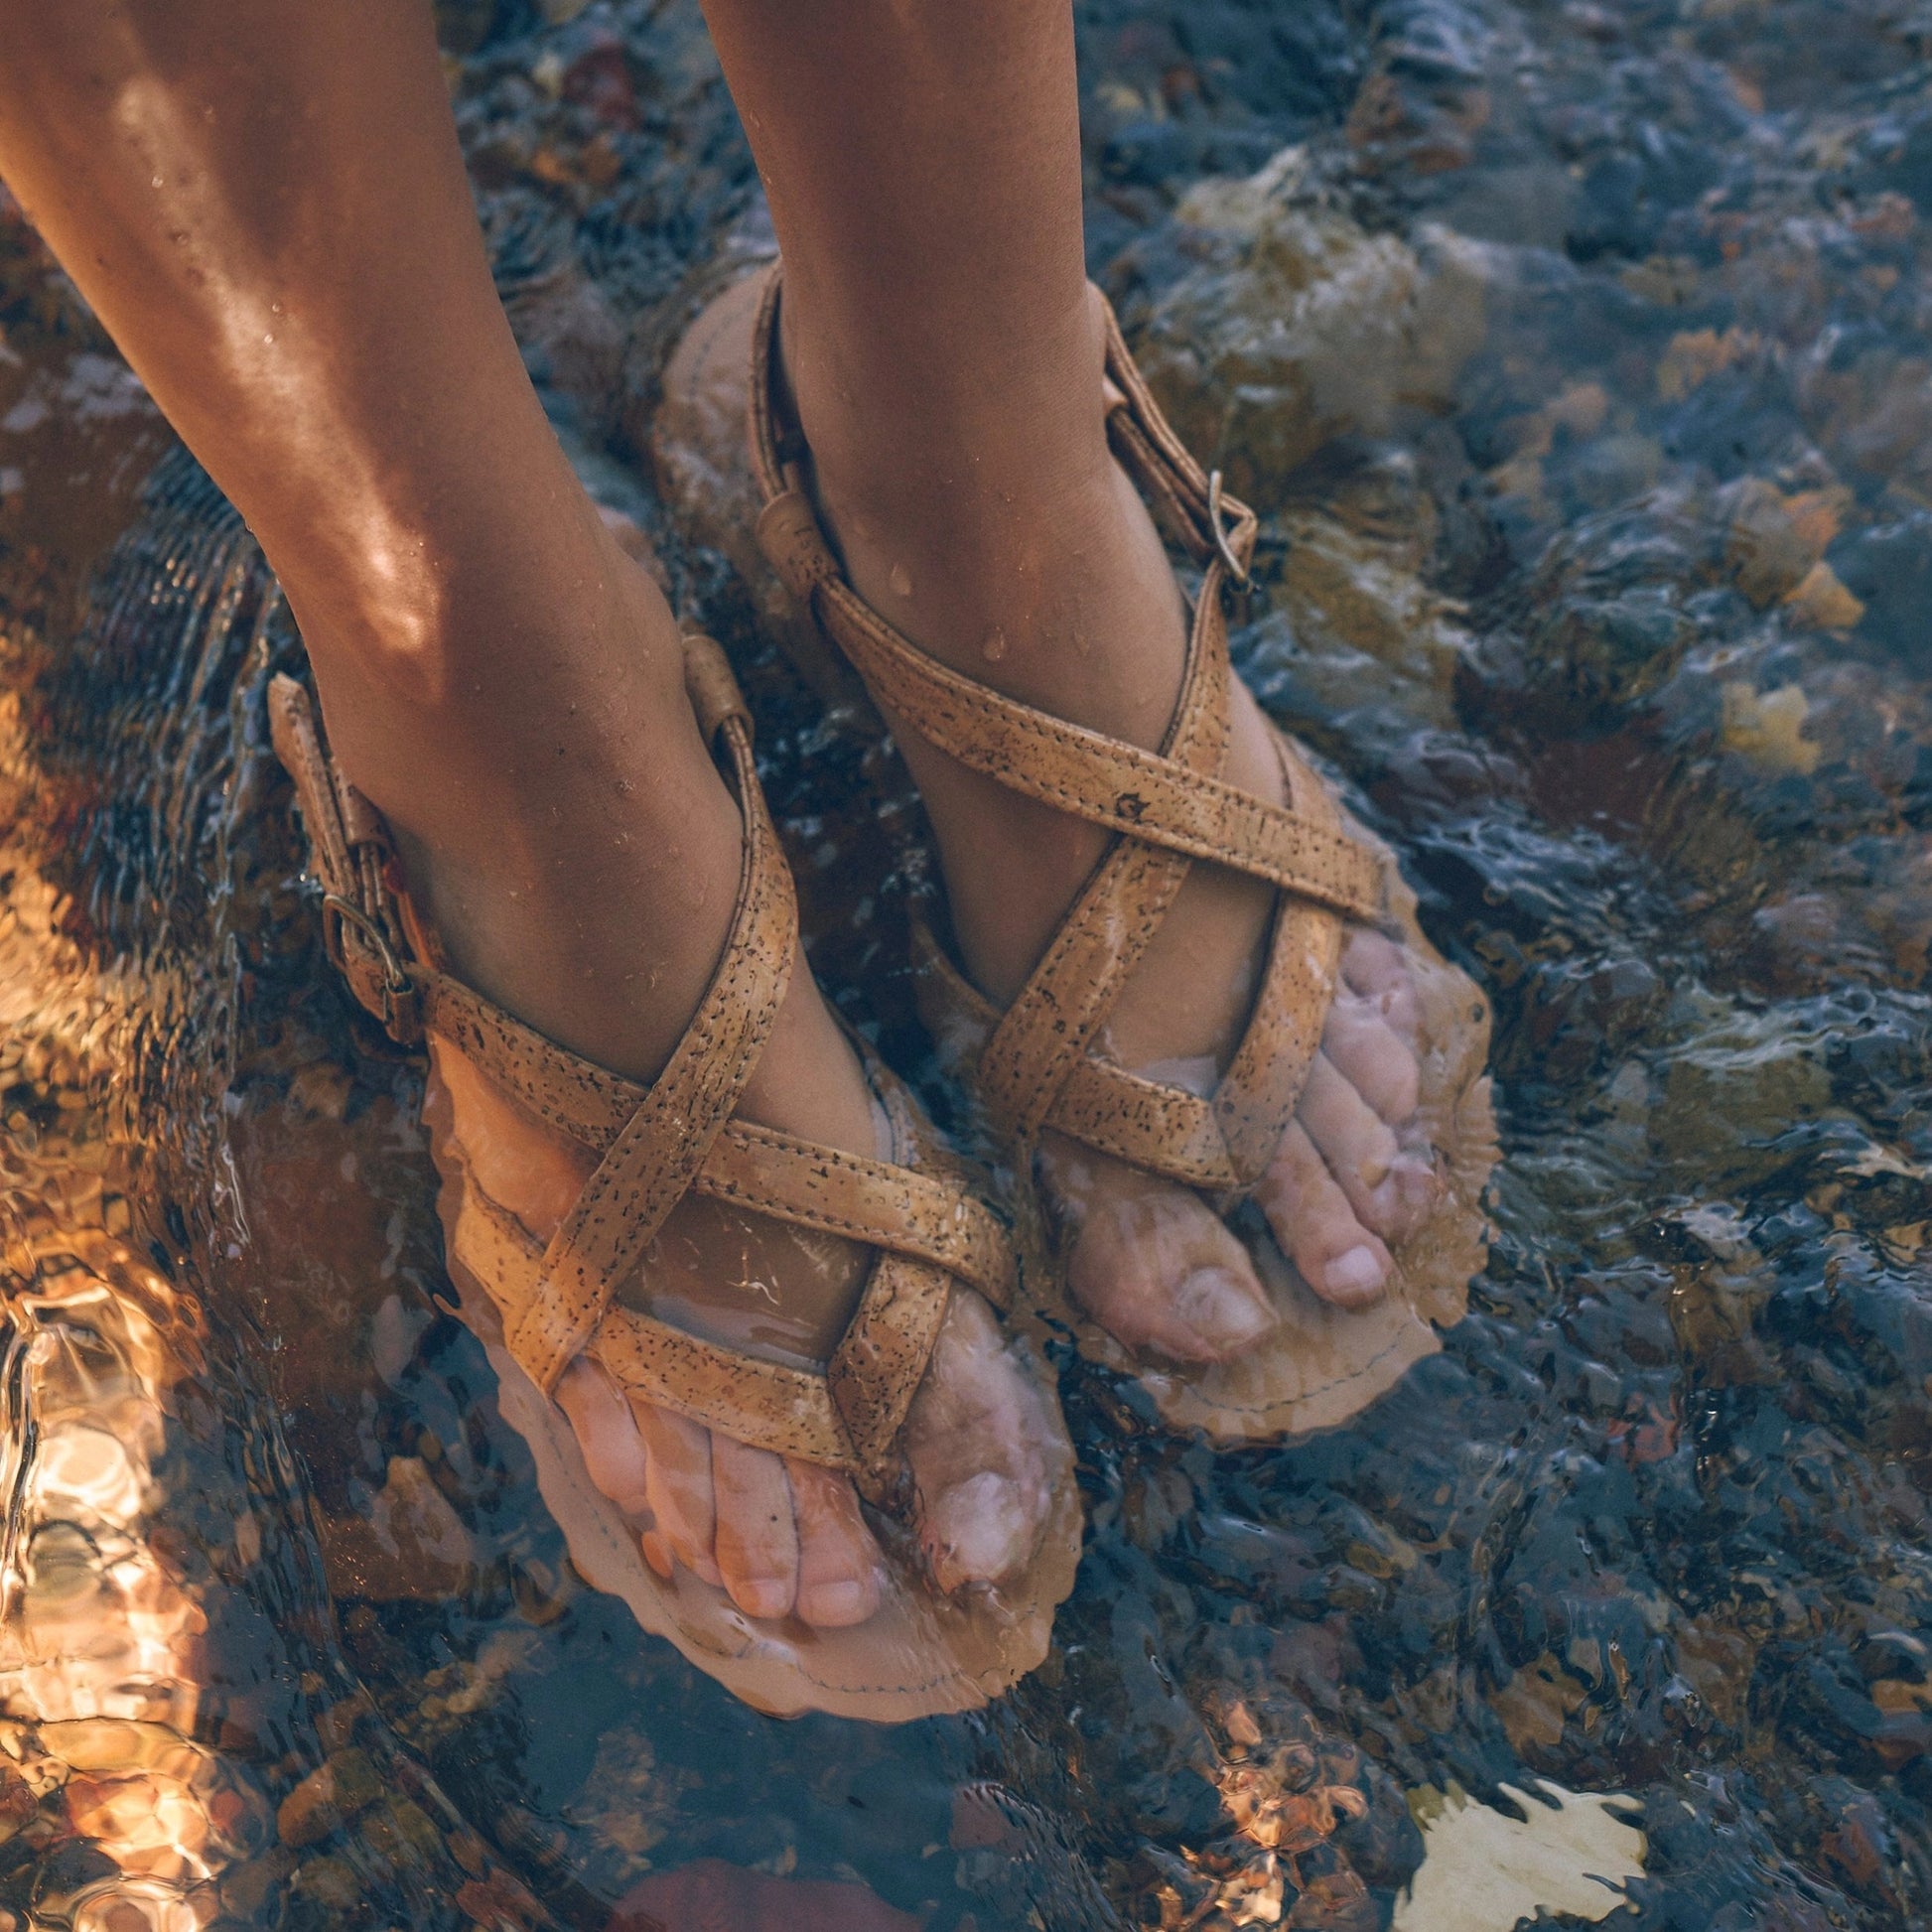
[
  {"x": 978, "y": 1530},
  {"x": 1156, "y": 1265},
  {"x": 978, "y": 1441}
]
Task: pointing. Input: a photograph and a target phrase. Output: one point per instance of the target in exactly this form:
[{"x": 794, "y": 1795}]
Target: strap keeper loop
[
  {"x": 712, "y": 687},
  {"x": 787, "y": 533},
  {"x": 1233, "y": 548}
]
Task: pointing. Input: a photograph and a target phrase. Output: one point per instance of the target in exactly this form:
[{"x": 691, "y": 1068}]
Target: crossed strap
[
  {"x": 659, "y": 1139},
  {"x": 1040, "y": 1062}
]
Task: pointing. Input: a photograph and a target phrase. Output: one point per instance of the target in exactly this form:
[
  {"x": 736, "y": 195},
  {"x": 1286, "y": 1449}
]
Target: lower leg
[
  {"x": 923, "y": 168},
  {"x": 267, "y": 209}
]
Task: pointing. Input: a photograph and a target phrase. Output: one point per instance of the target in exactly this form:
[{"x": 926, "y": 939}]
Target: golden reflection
[{"x": 101, "y": 1645}]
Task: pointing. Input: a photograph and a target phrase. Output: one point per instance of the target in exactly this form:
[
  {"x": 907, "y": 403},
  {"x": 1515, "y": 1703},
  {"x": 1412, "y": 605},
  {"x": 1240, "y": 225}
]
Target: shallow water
[{"x": 1579, "y": 358}]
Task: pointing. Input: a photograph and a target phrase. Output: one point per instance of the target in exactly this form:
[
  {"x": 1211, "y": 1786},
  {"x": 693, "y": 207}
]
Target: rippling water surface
[{"x": 1580, "y": 357}]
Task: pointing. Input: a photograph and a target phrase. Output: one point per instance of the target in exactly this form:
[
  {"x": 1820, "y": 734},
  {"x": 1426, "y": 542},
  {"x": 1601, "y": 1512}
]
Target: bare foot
[
  {"x": 781, "y": 1537},
  {"x": 1051, "y": 583}
]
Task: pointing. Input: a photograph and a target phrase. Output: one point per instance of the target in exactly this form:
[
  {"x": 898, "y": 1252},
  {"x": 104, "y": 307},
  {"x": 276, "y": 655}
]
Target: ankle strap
[
  {"x": 668, "y": 1128},
  {"x": 353, "y": 859},
  {"x": 1156, "y": 798}
]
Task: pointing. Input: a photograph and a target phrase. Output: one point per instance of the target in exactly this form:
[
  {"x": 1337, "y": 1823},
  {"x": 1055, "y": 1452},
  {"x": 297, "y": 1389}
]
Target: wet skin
[{"x": 262, "y": 208}]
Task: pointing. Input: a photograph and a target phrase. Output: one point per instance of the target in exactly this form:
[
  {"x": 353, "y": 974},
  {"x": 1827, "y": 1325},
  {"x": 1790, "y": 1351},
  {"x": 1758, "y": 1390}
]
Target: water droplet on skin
[
  {"x": 268, "y": 339},
  {"x": 994, "y": 646},
  {"x": 901, "y": 581}
]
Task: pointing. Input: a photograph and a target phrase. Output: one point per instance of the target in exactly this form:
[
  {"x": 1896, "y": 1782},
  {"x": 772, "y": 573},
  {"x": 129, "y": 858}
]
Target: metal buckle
[
  {"x": 1237, "y": 571},
  {"x": 400, "y": 1014},
  {"x": 395, "y": 979}
]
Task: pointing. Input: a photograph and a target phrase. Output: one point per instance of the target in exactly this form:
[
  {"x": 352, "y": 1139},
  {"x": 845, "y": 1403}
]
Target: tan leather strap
[
  {"x": 651, "y": 1166},
  {"x": 887, "y": 1206},
  {"x": 1117, "y": 786},
  {"x": 1059, "y": 1012},
  {"x": 1041, "y": 1064},
  {"x": 1257, "y": 1092},
  {"x": 847, "y": 1417},
  {"x": 656, "y": 1140}
]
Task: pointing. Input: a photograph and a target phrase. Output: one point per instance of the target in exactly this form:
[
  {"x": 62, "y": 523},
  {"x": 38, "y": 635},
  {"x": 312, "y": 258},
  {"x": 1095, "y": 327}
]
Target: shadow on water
[{"x": 1579, "y": 356}]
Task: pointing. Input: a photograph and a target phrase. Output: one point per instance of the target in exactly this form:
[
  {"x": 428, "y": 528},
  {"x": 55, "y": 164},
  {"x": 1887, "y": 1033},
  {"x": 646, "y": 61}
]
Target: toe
[
  {"x": 1156, "y": 1265},
  {"x": 975, "y": 1438},
  {"x": 1341, "y": 1260},
  {"x": 680, "y": 1486},
  {"x": 757, "y": 1538},
  {"x": 841, "y": 1575},
  {"x": 606, "y": 1433},
  {"x": 1372, "y": 1057},
  {"x": 1358, "y": 1145},
  {"x": 977, "y": 1530},
  {"x": 1376, "y": 969}
]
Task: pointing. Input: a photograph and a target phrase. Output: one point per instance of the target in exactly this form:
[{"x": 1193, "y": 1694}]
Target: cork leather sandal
[
  {"x": 536, "y": 1308},
  {"x": 1040, "y": 1064}
]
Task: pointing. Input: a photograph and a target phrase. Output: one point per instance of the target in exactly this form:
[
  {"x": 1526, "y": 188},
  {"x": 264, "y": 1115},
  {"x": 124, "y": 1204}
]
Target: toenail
[
  {"x": 835, "y": 1605},
  {"x": 979, "y": 1530},
  {"x": 1358, "y": 1272},
  {"x": 762, "y": 1596},
  {"x": 1221, "y": 1307}
]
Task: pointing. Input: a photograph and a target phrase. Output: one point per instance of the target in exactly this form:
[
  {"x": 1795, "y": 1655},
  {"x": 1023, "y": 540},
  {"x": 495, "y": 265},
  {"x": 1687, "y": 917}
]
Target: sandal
[
  {"x": 1039, "y": 1065},
  {"x": 537, "y": 1309}
]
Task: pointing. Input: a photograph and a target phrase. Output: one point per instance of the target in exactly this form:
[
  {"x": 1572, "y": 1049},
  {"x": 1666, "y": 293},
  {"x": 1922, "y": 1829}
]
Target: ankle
[
  {"x": 562, "y": 829},
  {"x": 465, "y": 721},
  {"x": 1063, "y": 597},
  {"x": 596, "y": 911},
  {"x": 989, "y": 521}
]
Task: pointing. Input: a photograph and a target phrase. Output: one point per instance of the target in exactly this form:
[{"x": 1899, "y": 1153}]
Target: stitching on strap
[
  {"x": 1137, "y": 793},
  {"x": 766, "y": 1405},
  {"x": 889, "y": 1207}
]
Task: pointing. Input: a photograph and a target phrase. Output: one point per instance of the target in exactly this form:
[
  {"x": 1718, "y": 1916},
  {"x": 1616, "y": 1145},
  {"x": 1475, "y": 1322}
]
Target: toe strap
[
  {"x": 1222, "y": 1143},
  {"x": 846, "y": 1416},
  {"x": 888, "y": 1207}
]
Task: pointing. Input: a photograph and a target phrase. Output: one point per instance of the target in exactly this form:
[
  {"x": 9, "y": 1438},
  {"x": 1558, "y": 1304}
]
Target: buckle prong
[{"x": 397, "y": 980}]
